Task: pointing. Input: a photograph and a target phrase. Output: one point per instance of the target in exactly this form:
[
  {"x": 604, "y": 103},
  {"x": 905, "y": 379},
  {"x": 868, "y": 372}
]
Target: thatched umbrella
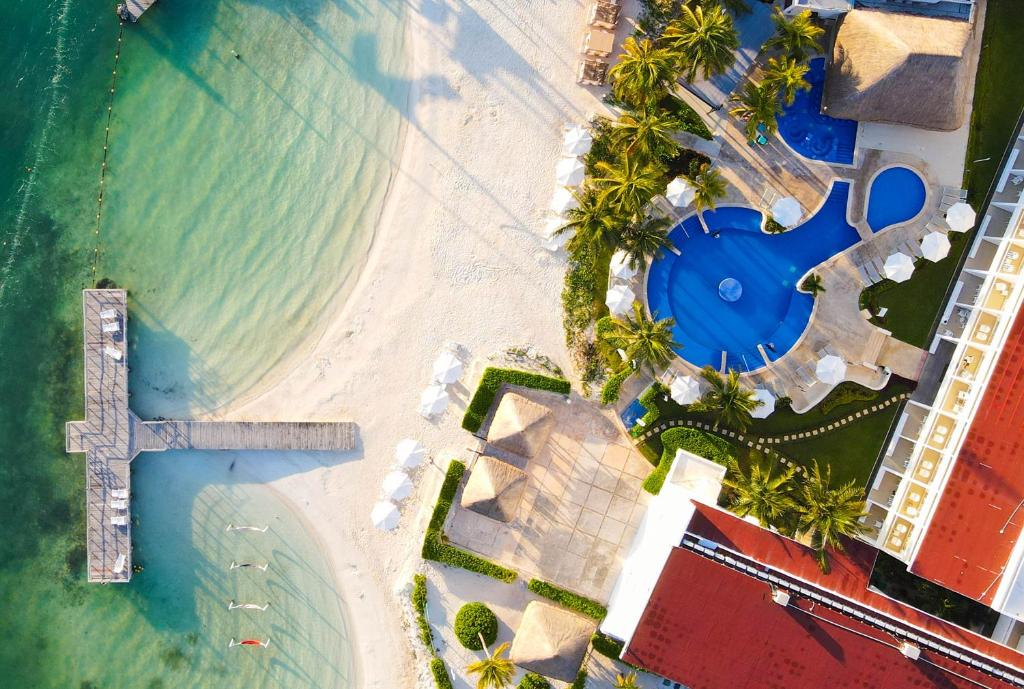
[
  {"x": 520, "y": 426},
  {"x": 494, "y": 488},
  {"x": 551, "y": 641}
]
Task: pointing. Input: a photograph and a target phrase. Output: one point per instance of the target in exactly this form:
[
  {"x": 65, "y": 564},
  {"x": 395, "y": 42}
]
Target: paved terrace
[{"x": 112, "y": 435}]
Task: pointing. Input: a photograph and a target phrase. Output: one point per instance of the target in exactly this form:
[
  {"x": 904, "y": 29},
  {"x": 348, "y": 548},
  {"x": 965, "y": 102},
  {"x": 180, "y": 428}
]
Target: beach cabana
[
  {"x": 447, "y": 368},
  {"x": 433, "y": 401},
  {"x": 935, "y": 246},
  {"x": 563, "y": 200},
  {"x": 569, "y": 172},
  {"x": 577, "y": 141},
  {"x": 619, "y": 299},
  {"x": 384, "y": 515},
  {"x": 494, "y": 489},
  {"x": 899, "y": 68},
  {"x": 684, "y": 390},
  {"x": 960, "y": 217},
  {"x": 620, "y": 266},
  {"x": 551, "y": 641},
  {"x": 520, "y": 426},
  {"x": 898, "y": 267},
  {"x": 679, "y": 193},
  {"x": 830, "y": 369},
  {"x": 409, "y": 453},
  {"x": 767, "y": 406},
  {"x": 787, "y": 212},
  {"x": 396, "y": 486}
]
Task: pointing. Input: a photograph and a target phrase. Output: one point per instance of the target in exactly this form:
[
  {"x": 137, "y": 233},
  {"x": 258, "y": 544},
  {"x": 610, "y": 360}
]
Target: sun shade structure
[
  {"x": 384, "y": 515},
  {"x": 787, "y": 211},
  {"x": 899, "y": 68},
  {"x": 553, "y": 239},
  {"x": 620, "y": 266},
  {"x": 899, "y": 267},
  {"x": 684, "y": 390},
  {"x": 619, "y": 299},
  {"x": 494, "y": 489},
  {"x": 767, "y": 406},
  {"x": 520, "y": 426},
  {"x": 577, "y": 141},
  {"x": 830, "y": 369},
  {"x": 397, "y": 486},
  {"x": 960, "y": 217},
  {"x": 679, "y": 193},
  {"x": 447, "y": 368},
  {"x": 563, "y": 200},
  {"x": 551, "y": 641},
  {"x": 935, "y": 246},
  {"x": 433, "y": 401},
  {"x": 569, "y": 172},
  {"x": 409, "y": 453}
]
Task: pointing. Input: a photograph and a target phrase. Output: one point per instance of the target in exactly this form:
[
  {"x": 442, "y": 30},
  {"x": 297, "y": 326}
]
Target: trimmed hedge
[
  {"x": 419, "y": 603},
  {"x": 440, "y": 673},
  {"x": 492, "y": 380},
  {"x": 531, "y": 680},
  {"x": 612, "y": 386},
  {"x": 606, "y": 645},
  {"x": 690, "y": 439},
  {"x": 581, "y": 680},
  {"x": 435, "y": 546},
  {"x": 568, "y": 599},
  {"x": 472, "y": 621},
  {"x": 845, "y": 393}
]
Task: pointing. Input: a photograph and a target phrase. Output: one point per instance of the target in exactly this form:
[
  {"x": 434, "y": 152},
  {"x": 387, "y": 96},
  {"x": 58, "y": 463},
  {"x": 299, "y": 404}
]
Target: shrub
[
  {"x": 532, "y": 680},
  {"x": 568, "y": 599},
  {"x": 473, "y": 621},
  {"x": 440, "y": 673},
  {"x": 491, "y": 382},
  {"x": 601, "y": 148},
  {"x": 845, "y": 393},
  {"x": 691, "y": 120},
  {"x": 606, "y": 645},
  {"x": 611, "y": 388},
  {"x": 435, "y": 546},
  {"x": 419, "y": 604},
  {"x": 583, "y": 291},
  {"x": 771, "y": 226},
  {"x": 690, "y": 439},
  {"x": 581, "y": 680}
]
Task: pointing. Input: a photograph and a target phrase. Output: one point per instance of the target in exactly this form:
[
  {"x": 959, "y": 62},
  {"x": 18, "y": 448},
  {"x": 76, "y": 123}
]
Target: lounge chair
[
  {"x": 880, "y": 266},
  {"x": 107, "y": 314},
  {"x": 598, "y": 42},
  {"x": 604, "y": 14},
  {"x": 870, "y": 269},
  {"x": 113, "y": 352},
  {"x": 119, "y": 504},
  {"x": 119, "y": 493},
  {"x": 914, "y": 249},
  {"x": 804, "y": 376},
  {"x": 592, "y": 72},
  {"x": 120, "y": 563},
  {"x": 112, "y": 327},
  {"x": 864, "y": 277},
  {"x": 119, "y": 520}
]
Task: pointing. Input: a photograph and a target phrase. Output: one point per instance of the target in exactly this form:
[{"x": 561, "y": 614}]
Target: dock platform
[
  {"x": 131, "y": 10},
  {"x": 112, "y": 435}
]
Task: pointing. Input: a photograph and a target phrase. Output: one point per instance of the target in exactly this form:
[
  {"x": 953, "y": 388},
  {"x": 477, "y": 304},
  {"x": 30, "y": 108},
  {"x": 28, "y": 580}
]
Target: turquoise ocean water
[{"x": 240, "y": 195}]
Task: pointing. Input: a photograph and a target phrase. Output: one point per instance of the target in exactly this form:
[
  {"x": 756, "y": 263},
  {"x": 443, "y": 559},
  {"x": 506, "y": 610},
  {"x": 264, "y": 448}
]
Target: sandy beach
[{"x": 457, "y": 257}]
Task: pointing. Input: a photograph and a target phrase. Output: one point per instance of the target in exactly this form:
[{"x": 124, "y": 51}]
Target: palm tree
[
  {"x": 704, "y": 39},
  {"x": 813, "y": 284},
  {"x": 759, "y": 107},
  {"x": 646, "y": 342},
  {"x": 643, "y": 73},
  {"x": 797, "y": 37},
  {"x": 645, "y": 238},
  {"x": 495, "y": 671},
  {"x": 758, "y": 494},
  {"x": 708, "y": 187},
  {"x": 648, "y": 134},
  {"x": 592, "y": 223},
  {"x": 629, "y": 183},
  {"x": 730, "y": 402},
  {"x": 786, "y": 76},
  {"x": 827, "y": 514},
  {"x": 626, "y": 681}
]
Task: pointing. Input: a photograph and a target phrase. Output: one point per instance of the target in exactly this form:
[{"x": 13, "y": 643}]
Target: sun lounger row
[{"x": 598, "y": 42}]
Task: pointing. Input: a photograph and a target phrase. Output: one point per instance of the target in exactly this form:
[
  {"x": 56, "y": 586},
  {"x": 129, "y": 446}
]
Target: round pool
[
  {"x": 734, "y": 287},
  {"x": 896, "y": 195}
]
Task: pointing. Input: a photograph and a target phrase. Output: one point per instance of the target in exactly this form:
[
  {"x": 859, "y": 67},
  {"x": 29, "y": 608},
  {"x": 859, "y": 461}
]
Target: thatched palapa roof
[
  {"x": 900, "y": 69},
  {"x": 494, "y": 488},
  {"x": 520, "y": 426},
  {"x": 551, "y": 641}
]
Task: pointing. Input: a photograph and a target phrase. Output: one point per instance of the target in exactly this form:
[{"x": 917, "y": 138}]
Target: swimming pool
[
  {"x": 896, "y": 195},
  {"x": 767, "y": 310},
  {"x": 812, "y": 134}
]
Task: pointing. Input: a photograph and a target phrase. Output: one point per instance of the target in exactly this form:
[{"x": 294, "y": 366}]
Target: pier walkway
[{"x": 112, "y": 435}]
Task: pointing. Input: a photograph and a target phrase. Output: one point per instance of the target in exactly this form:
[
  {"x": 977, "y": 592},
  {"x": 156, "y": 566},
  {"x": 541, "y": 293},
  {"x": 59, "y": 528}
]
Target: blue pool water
[
  {"x": 896, "y": 195},
  {"x": 633, "y": 411},
  {"x": 811, "y": 134},
  {"x": 767, "y": 267}
]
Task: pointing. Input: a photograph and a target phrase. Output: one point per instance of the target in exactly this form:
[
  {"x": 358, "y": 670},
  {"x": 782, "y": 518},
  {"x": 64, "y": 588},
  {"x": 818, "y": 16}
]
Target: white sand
[{"x": 457, "y": 257}]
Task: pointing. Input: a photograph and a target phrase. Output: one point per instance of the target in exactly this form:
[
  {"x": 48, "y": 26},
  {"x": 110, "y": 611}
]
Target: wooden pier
[
  {"x": 131, "y": 10},
  {"x": 112, "y": 435}
]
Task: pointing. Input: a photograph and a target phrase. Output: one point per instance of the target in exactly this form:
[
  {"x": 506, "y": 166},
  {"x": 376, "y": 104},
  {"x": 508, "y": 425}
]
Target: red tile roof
[
  {"x": 711, "y": 627},
  {"x": 971, "y": 534}
]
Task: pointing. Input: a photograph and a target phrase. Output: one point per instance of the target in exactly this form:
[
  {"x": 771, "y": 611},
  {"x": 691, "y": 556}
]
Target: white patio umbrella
[
  {"x": 684, "y": 390},
  {"x": 960, "y": 217},
  {"x": 447, "y": 368},
  {"x": 563, "y": 200},
  {"x": 899, "y": 267},
  {"x": 433, "y": 400},
  {"x": 409, "y": 453},
  {"x": 787, "y": 211},
  {"x": 620, "y": 266},
  {"x": 935, "y": 246},
  {"x": 553, "y": 240},
  {"x": 384, "y": 515},
  {"x": 619, "y": 299},
  {"x": 830, "y": 369},
  {"x": 569, "y": 172},
  {"x": 679, "y": 193},
  {"x": 397, "y": 486},
  {"x": 577, "y": 141},
  {"x": 767, "y": 405}
]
